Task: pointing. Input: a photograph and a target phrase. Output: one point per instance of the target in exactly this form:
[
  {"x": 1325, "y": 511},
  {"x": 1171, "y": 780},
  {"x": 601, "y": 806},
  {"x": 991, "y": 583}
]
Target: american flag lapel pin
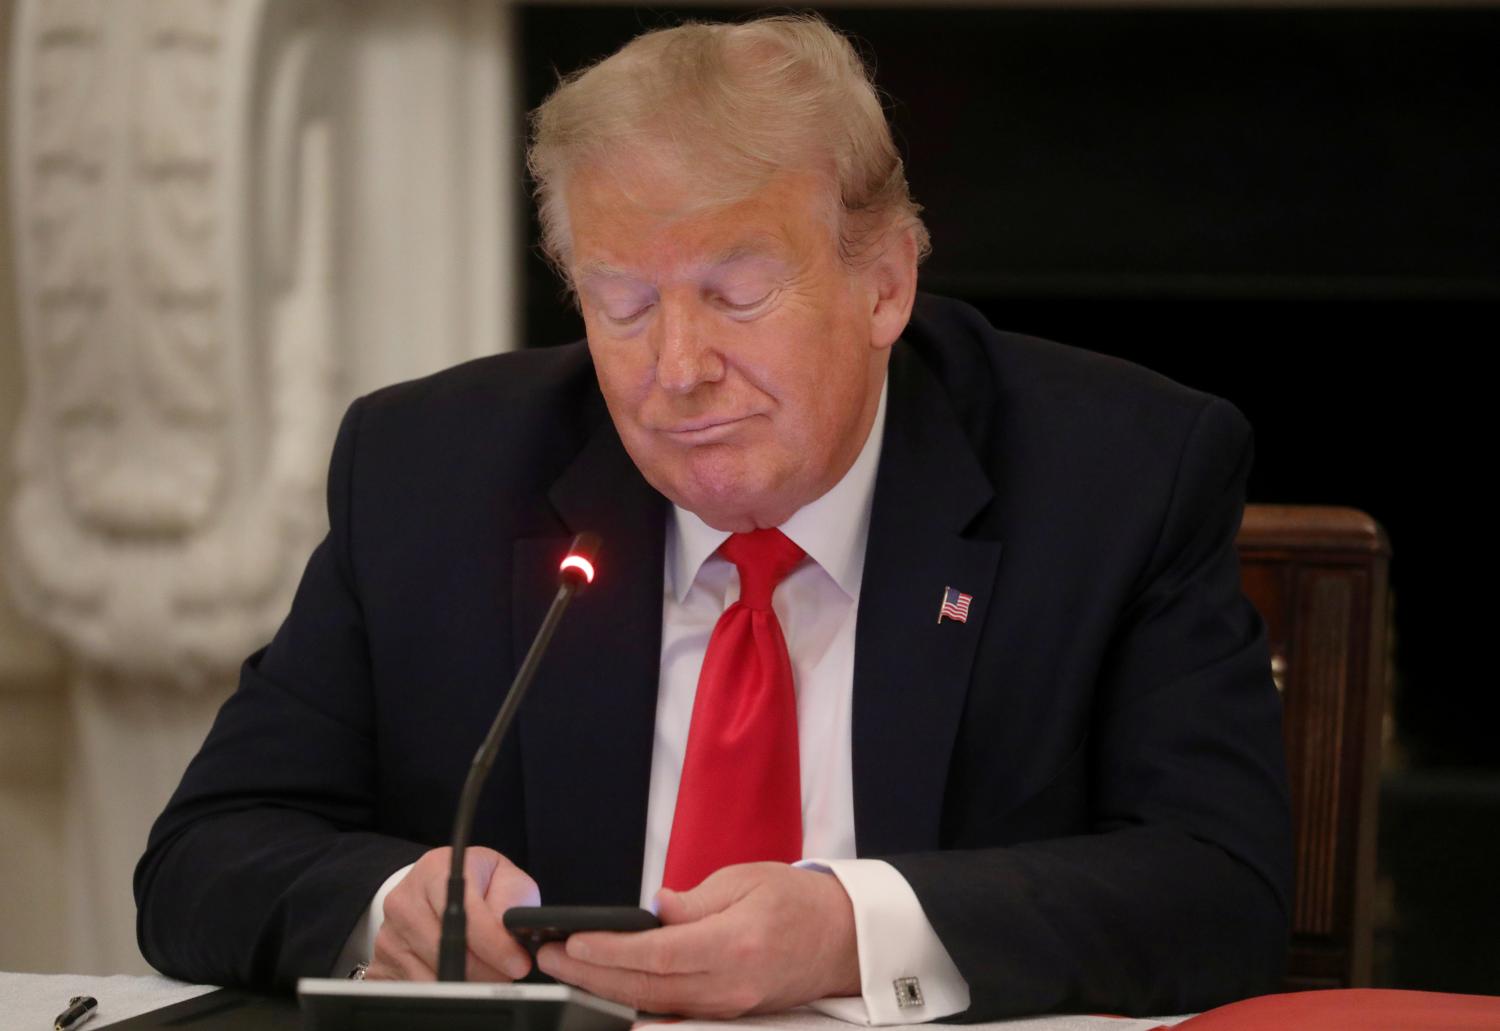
[{"x": 955, "y": 606}]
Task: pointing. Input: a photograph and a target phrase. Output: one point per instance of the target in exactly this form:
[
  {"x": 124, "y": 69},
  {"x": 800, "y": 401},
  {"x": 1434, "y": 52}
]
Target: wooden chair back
[{"x": 1318, "y": 577}]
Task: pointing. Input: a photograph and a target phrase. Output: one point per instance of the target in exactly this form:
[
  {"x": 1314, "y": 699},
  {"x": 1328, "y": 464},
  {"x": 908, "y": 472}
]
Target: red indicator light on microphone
[
  {"x": 578, "y": 567},
  {"x": 578, "y": 562}
]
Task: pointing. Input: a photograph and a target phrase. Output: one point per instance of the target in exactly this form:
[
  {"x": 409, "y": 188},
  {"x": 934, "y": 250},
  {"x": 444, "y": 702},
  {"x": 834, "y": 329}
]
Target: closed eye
[
  {"x": 748, "y": 307},
  {"x": 626, "y": 320}
]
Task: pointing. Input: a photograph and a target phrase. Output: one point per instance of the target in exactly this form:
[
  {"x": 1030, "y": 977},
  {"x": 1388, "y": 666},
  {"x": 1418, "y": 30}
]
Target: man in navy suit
[{"x": 1036, "y": 746}]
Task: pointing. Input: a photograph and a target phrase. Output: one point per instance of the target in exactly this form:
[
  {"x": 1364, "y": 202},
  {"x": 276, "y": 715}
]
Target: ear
[{"x": 892, "y": 284}]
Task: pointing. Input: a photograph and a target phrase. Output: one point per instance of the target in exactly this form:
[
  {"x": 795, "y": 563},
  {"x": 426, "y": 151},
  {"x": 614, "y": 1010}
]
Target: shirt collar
[{"x": 832, "y": 530}]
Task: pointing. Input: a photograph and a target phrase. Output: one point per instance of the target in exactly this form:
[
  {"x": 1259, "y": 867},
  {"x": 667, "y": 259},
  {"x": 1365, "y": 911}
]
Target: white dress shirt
[{"x": 817, "y": 605}]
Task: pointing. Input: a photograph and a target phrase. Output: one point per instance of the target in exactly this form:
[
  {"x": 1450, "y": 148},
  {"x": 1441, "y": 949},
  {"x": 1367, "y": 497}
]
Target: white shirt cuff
[
  {"x": 360, "y": 947},
  {"x": 905, "y": 972}
]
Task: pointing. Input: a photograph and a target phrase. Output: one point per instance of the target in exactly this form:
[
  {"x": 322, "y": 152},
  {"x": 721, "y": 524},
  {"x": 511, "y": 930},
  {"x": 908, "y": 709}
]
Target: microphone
[
  {"x": 336, "y": 1004},
  {"x": 575, "y": 572}
]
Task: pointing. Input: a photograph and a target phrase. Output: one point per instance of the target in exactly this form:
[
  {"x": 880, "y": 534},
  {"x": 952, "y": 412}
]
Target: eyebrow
[
  {"x": 741, "y": 251},
  {"x": 601, "y": 269},
  {"x": 734, "y": 253}
]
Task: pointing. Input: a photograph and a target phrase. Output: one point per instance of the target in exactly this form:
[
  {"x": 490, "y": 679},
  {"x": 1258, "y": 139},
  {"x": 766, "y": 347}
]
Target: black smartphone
[{"x": 534, "y": 926}]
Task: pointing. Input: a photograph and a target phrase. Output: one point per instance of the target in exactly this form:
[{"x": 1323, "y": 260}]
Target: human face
[{"x": 740, "y": 359}]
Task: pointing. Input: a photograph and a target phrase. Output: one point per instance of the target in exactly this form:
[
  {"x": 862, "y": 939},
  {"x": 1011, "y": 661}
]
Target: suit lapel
[
  {"x": 587, "y": 727},
  {"x": 911, "y": 673}
]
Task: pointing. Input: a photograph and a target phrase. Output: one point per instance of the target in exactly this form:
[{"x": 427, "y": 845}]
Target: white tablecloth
[{"x": 31, "y": 1002}]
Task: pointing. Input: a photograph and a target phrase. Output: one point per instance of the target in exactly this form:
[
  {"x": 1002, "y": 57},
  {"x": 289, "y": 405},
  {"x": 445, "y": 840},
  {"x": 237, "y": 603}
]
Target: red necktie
[{"x": 740, "y": 796}]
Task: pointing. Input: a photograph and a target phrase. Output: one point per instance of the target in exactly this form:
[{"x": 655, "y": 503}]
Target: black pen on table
[{"x": 80, "y": 1008}]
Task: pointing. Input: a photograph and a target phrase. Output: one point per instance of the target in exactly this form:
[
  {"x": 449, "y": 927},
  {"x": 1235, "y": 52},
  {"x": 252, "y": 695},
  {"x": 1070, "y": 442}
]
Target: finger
[
  {"x": 678, "y": 907},
  {"x": 699, "y": 933},
  {"x": 380, "y": 971},
  {"x": 394, "y": 961},
  {"x": 691, "y": 995},
  {"x": 663, "y": 951},
  {"x": 480, "y": 864},
  {"x": 490, "y": 944},
  {"x": 717, "y": 893},
  {"x": 411, "y": 924},
  {"x": 412, "y": 913},
  {"x": 477, "y": 970},
  {"x": 509, "y": 885},
  {"x": 510, "y": 888},
  {"x": 491, "y": 954},
  {"x": 681, "y": 949}
]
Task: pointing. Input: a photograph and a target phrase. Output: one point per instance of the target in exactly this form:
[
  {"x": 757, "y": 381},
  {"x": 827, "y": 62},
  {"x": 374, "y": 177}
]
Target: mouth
[{"x": 706, "y": 430}]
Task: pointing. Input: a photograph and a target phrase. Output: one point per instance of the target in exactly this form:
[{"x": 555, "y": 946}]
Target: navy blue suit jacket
[{"x": 1083, "y": 783}]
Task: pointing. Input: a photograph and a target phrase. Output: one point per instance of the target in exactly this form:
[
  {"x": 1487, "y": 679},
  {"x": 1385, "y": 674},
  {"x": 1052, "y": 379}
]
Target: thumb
[
  {"x": 479, "y": 867},
  {"x": 717, "y": 893}
]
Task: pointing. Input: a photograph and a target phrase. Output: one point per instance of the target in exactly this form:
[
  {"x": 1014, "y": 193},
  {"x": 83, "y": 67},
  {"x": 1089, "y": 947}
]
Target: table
[
  {"x": 30, "y": 1002},
  {"x": 33, "y": 1001}
]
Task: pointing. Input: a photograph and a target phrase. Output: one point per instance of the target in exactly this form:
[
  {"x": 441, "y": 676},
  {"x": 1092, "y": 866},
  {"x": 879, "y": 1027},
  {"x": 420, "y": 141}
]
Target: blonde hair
[{"x": 737, "y": 103}]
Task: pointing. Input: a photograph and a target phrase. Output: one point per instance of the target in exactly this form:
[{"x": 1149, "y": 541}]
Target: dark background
[{"x": 1297, "y": 209}]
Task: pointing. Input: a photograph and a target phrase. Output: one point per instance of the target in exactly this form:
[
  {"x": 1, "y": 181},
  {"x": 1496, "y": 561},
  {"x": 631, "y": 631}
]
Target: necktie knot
[{"x": 764, "y": 558}]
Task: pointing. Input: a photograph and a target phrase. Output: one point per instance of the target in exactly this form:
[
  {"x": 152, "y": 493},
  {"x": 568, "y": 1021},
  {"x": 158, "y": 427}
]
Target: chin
[
  {"x": 734, "y": 502},
  {"x": 729, "y": 522},
  {"x": 730, "y": 510},
  {"x": 723, "y": 484}
]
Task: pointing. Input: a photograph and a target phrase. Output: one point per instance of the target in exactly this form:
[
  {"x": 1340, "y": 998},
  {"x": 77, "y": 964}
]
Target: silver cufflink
[{"x": 908, "y": 992}]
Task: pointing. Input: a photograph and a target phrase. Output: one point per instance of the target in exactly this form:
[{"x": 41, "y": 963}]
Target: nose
[{"x": 685, "y": 352}]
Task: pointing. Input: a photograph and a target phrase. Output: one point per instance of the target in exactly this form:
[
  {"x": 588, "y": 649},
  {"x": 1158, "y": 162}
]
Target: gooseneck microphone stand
[
  {"x": 453, "y": 1004},
  {"x": 575, "y": 572}
]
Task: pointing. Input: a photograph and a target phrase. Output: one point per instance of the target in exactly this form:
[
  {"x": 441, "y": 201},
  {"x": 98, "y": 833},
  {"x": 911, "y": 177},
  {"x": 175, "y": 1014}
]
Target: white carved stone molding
[
  {"x": 228, "y": 217},
  {"x": 179, "y": 363}
]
